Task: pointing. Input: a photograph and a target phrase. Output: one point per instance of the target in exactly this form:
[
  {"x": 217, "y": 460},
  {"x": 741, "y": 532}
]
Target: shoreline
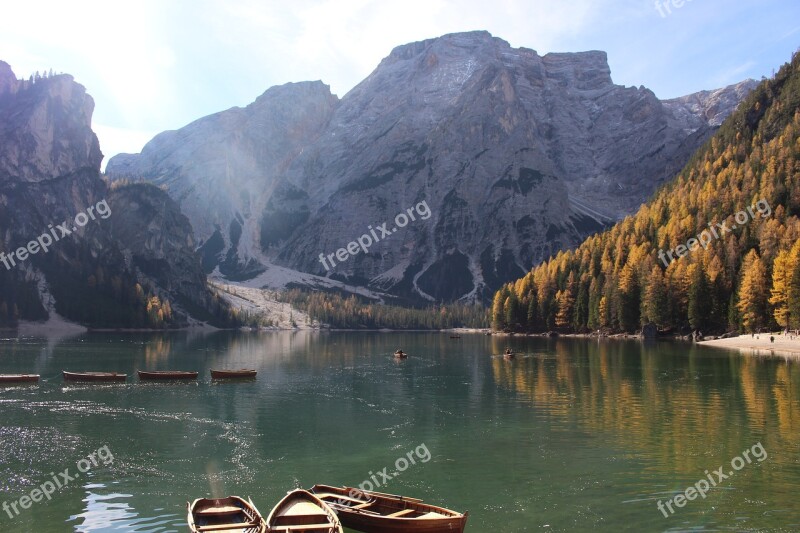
[
  {"x": 759, "y": 344},
  {"x": 32, "y": 328},
  {"x": 756, "y": 345}
]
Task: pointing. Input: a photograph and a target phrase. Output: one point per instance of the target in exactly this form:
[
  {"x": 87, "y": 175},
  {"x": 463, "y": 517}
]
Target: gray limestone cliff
[
  {"x": 102, "y": 274},
  {"x": 517, "y": 156}
]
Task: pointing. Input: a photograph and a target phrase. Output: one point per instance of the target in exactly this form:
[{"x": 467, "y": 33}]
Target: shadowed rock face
[
  {"x": 517, "y": 156},
  {"x": 50, "y": 172},
  {"x": 46, "y": 129}
]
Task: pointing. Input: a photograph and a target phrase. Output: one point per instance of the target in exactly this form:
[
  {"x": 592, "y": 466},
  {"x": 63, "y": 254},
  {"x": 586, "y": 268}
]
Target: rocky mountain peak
[
  {"x": 226, "y": 165},
  {"x": 8, "y": 81},
  {"x": 517, "y": 155},
  {"x": 292, "y": 90},
  {"x": 710, "y": 107},
  {"x": 47, "y": 126},
  {"x": 466, "y": 43},
  {"x": 49, "y": 172},
  {"x": 581, "y": 70}
]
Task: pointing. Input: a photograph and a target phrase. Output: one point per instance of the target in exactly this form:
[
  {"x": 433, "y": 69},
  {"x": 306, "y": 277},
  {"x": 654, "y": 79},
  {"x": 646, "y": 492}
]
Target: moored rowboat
[
  {"x": 19, "y": 378},
  {"x": 302, "y": 511},
  {"x": 375, "y": 512},
  {"x": 226, "y": 515},
  {"x": 167, "y": 374},
  {"x": 94, "y": 376},
  {"x": 233, "y": 374},
  {"x": 400, "y": 354}
]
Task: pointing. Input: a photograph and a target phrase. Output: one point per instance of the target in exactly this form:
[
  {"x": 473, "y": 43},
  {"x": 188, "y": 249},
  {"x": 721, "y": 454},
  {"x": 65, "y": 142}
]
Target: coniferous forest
[
  {"x": 744, "y": 279},
  {"x": 338, "y": 311}
]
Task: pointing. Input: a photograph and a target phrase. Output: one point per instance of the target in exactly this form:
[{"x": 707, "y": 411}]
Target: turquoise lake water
[{"x": 572, "y": 435}]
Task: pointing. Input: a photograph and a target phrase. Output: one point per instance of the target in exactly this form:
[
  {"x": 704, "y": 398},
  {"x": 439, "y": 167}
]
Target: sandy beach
[{"x": 760, "y": 344}]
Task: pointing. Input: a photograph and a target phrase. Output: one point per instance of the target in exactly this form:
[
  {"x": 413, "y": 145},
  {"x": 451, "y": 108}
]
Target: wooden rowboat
[
  {"x": 302, "y": 511},
  {"x": 375, "y": 512},
  {"x": 508, "y": 354},
  {"x": 19, "y": 378},
  {"x": 233, "y": 374},
  {"x": 400, "y": 354},
  {"x": 225, "y": 515},
  {"x": 94, "y": 376},
  {"x": 167, "y": 374}
]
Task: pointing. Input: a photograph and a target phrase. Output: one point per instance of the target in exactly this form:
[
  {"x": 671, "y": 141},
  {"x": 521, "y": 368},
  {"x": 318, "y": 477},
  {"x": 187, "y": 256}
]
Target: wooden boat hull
[
  {"x": 368, "y": 524},
  {"x": 95, "y": 376},
  {"x": 18, "y": 378},
  {"x": 302, "y": 511},
  {"x": 371, "y": 512},
  {"x": 167, "y": 375},
  {"x": 224, "y": 515},
  {"x": 233, "y": 374}
]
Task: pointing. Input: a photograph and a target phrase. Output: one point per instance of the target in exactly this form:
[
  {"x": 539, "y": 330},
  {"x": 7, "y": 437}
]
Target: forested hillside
[
  {"x": 342, "y": 312},
  {"x": 718, "y": 248}
]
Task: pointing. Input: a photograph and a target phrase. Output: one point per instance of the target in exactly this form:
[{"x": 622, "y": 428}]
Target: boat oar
[{"x": 391, "y": 496}]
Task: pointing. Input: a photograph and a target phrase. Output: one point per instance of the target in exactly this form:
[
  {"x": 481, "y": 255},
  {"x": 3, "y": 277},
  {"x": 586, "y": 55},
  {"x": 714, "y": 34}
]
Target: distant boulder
[{"x": 649, "y": 331}]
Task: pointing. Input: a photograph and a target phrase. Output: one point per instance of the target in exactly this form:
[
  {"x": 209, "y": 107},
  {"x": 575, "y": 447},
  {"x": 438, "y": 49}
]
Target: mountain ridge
[
  {"x": 518, "y": 155},
  {"x": 106, "y": 271},
  {"x": 717, "y": 249}
]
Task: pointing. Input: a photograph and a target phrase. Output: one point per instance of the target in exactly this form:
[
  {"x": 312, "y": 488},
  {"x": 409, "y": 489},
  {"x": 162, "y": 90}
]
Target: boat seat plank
[
  {"x": 302, "y": 508},
  {"x": 319, "y": 517},
  {"x": 224, "y": 527},
  {"x": 312, "y": 527},
  {"x": 363, "y": 505},
  {"x": 221, "y": 510},
  {"x": 315, "y": 520},
  {"x": 398, "y": 514}
]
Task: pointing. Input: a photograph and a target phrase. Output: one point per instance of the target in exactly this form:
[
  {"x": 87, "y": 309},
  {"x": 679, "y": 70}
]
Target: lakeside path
[{"x": 760, "y": 344}]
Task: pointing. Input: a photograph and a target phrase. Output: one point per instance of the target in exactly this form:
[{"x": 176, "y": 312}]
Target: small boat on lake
[
  {"x": 225, "y": 515},
  {"x": 375, "y": 512},
  {"x": 508, "y": 354},
  {"x": 18, "y": 378},
  {"x": 242, "y": 373},
  {"x": 167, "y": 375},
  {"x": 400, "y": 354},
  {"x": 302, "y": 511},
  {"x": 94, "y": 376}
]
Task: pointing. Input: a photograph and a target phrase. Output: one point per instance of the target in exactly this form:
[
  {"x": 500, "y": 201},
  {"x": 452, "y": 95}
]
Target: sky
[{"x": 158, "y": 65}]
